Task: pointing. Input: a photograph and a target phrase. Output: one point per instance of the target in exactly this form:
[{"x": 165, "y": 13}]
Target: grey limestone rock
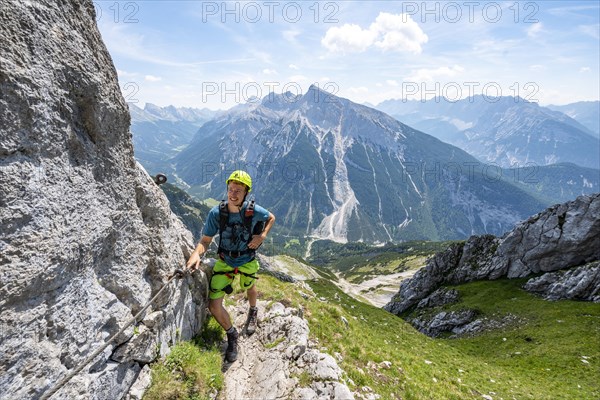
[
  {"x": 579, "y": 283},
  {"x": 444, "y": 322},
  {"x": 426, "y": 280},
  {"x": 270, "y": 361},
  {"x": 485, "y": 324},
  {"x": 440, "y": 297},
  {"x": 86, "y": 236},
  {"x": 561, "y": 237},
  {"x": 137, "y": 390}
]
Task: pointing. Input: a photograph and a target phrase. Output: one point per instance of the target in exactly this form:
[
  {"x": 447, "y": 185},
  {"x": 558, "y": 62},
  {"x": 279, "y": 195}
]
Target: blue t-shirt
[{"x": 235, "y": 236}]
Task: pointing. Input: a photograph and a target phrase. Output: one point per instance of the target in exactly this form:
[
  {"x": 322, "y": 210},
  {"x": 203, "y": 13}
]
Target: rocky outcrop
[
  {"x": 86, "y": 237},
  {"x": 581, "y": 283},
  {"x": 466, "y": 322},
  {"x": 444, "y": 322},
  {"x": 440, "y": 297},
  {"x": 561, "y": 237},
  {"x": 272, "y": 362}
]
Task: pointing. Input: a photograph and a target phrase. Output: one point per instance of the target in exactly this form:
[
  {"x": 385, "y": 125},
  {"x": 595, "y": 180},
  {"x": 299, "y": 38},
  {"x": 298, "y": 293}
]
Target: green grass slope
[{"x": 552, "y": 352}]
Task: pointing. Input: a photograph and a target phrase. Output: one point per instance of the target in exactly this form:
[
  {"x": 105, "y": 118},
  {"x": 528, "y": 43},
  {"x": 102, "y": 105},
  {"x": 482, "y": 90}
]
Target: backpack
[{"x": 247, "y": 221}]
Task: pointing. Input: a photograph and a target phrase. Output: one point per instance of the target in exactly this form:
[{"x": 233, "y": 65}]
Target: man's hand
[
  {"x": 256, "y": 241},
  {"x": 194, "y": 261}
]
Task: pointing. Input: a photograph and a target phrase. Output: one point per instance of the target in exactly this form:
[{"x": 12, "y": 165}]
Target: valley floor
[{"x": 376, "y": 291}]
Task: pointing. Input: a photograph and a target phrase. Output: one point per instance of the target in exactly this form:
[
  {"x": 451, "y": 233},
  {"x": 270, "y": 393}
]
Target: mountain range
[
  {"x": 333, "y": 169},
  {"x": 508, "y": 131},
  {"x": 159, "y": 133},
  {"x": 586, "y": 113}
]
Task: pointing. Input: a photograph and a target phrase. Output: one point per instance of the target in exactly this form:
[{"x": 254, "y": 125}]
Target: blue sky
[{"x": 218, "y": 54}]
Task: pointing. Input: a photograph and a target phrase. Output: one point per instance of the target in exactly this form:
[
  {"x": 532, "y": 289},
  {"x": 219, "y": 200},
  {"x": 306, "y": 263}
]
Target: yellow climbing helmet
[{"x": 241, "y": 177}]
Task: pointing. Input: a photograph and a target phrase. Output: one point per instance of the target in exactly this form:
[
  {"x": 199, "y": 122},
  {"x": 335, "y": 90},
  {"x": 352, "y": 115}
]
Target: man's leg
[
  {"x": 251, "y": 322},
  {"x": 252, "y": 295},
  {"x": 222, "y": 316},
  {"x": 249, "y": 281},
  {"x": 248, "y": 278},
  {"x": 219, "y": 312}
]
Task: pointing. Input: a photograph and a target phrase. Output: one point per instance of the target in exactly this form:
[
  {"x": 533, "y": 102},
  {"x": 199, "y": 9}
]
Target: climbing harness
[
  {"x": 231, "y": 275},
  {"x": 177, "y": 273}
]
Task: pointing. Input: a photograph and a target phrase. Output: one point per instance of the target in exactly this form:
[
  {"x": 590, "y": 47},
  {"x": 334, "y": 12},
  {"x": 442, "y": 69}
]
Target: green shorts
[{"x": 220, "y": 280}]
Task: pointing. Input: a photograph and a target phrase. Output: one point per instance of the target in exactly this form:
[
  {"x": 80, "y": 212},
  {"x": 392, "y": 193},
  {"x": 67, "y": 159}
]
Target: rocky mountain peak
[
  {"x": 346, "y": 172},
  {"x": 509, "y": 131},
  {"x": 279, "y": 102}
]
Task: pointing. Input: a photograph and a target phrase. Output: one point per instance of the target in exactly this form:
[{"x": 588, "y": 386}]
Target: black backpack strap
[
  {"x": 248, "y": 215},
  {"x": 223, "y": 219},
  {"x": 223, "y": 216}
]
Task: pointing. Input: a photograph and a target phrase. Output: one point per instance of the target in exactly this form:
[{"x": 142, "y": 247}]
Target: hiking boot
[
  {"x": 251, "y": 321},
  {"x": 232, "y": 350}
]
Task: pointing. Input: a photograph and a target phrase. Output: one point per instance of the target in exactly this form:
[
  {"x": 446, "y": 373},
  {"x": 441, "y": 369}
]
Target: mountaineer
[{"x": 242, "y": 226}]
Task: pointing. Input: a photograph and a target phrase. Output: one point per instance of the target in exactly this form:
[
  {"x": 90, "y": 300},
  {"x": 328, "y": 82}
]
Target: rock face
[
  {"x": 561, "y": 237},
  {"x": 86, "y": 237},
  {"x": 444, "y": 322},
  {"x": 581, "y": 283},
  {"x": 440, "y": 297},
  {"x": 271, "y": 362}
]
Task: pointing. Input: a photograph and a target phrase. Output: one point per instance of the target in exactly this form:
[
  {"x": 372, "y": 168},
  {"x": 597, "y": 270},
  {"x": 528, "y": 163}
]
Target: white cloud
[
  {"x": 152, "y": 78},
  {"x": 290, "y": 35},
  {"x": 389, "y": 32},
  {"x": 348, "y": 38},
  {"x": 268, "y": 71},
  {"x": 399, "y": 32},
  {"x": 392, "y": 82},
  {"x": 535, "y": 30},
  {"x": 293, "y": 66},
  {"x": 590, "y": 30},
  {"x": 537, "y": 67},
  {"x": 430, "y": 75},
  {"x": 585, "y": 69}
]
